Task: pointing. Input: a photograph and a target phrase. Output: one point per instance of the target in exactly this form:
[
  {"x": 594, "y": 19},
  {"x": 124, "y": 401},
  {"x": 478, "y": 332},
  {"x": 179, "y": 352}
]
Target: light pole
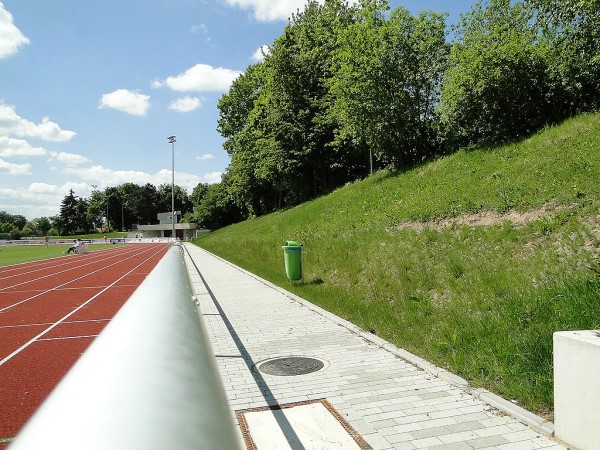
[{"x": 171, "y": 140}]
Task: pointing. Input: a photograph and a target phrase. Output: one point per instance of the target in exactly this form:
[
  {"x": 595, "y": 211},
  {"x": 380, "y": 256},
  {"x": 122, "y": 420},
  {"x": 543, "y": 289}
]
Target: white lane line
[
  {"x": 50, "y": 323},
  {"x": 56, "y": 288},
  {"x": 55, "y": 324},
  {"x": 68, "y": 337},
  {"x": 64, "y": 289}
]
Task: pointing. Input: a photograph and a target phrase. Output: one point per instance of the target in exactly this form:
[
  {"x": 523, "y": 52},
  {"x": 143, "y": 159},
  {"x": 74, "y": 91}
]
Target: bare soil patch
[{"x": 484, "y": 219}]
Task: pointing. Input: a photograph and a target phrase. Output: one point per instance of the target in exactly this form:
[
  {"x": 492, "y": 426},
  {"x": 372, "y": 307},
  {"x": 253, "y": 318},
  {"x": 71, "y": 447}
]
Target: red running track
[{"x": 50, "y": 312}]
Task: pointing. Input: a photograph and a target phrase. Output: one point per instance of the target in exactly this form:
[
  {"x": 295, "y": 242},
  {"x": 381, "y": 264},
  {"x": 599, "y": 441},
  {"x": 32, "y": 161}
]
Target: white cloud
[
  {"x": 10, "y": 147},
  {"x": 14, "y": 169},
  {"x": 185, "y": 104},
  {"x": 42, "y": 188},
  {"x": 185, "y": 180},
  {"x": 131, "y": 102},
  {"x": 212, "y": 178},
  {"x": 69, "y": 159},
  {"x": 205, "y": 157},
  {"x": 200, "y": 78},
  {"x": 19, "y": 201},
  {"x": 11, "y": 38},
  {"x": 268, "y": 10},
  {"x": 259, "y": 54},
  {"x": 11, "y": 124}
]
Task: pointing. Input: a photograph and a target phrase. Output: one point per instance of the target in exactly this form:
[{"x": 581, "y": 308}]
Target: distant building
[{"x": 164, "y": 228}]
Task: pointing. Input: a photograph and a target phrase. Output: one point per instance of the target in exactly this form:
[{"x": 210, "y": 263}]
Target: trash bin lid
[{"x": 291, "y": 244}]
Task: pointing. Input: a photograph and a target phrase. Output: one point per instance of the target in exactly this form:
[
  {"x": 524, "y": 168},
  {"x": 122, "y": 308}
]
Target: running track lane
[{"x": 50, "y": 311}]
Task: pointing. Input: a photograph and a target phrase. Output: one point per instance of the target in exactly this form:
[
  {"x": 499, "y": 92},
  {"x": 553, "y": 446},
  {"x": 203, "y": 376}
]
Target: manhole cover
[{"x": 291, "y": 365}]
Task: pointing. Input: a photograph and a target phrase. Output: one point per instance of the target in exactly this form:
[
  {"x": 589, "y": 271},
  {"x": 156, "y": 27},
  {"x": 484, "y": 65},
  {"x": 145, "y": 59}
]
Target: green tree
[
  {"x": 95, "y": 209},
  {"x": 69, "y": 213},
  {"x": 113, "y": 208},
  {"x": 12, "y": 221},
  {"x": 243, "y": 122},
  {"x": 132, "y": 204},
  {"x": 217, "y": 209},
  {"x": 83, "y": 224},
  {"x": 299, "y": 104},
  {"x": 387, "y": 82},
  {"x": 41, "y": 225},
  {"x": 164, "y": 199},
  {"x": 570, "y": 42},
  {"x": 198, "y": 192},
  {"x": 58, "y": 225},
  {"x": 495, "y": 88}
]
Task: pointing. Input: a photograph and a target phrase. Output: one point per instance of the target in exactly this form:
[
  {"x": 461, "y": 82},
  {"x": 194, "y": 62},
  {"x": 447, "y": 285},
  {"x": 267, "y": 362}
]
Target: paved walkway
[{"x": 382, "y": 396}]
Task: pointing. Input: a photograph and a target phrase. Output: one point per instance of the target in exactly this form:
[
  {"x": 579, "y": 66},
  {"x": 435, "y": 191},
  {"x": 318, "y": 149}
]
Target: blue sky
[{"x": 90, "y": 90}]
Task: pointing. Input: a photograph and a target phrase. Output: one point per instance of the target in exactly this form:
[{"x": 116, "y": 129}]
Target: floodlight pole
[{"x": 171, "y": 140}]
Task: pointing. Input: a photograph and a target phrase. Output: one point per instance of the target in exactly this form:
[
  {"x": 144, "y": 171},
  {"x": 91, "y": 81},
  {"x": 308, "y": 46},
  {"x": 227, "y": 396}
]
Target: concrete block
[{"x": 577, "y": 388}]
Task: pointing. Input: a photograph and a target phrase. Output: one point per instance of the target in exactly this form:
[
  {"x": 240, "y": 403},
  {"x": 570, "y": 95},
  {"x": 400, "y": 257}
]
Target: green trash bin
[{"x": 292, "y": 255}]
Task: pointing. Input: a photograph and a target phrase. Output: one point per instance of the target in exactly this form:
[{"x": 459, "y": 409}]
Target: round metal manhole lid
[{"x": 291, "y": 365}]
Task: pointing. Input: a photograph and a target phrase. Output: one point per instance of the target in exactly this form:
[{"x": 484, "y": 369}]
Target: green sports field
[{"x": 16, "y": 254}]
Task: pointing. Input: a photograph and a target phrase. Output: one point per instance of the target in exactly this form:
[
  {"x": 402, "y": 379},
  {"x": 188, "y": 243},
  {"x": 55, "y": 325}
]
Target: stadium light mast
[{"x": 171, "y": 140}]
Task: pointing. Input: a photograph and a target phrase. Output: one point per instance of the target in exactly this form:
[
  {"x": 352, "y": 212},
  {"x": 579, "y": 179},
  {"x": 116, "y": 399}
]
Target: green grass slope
[{"x": 471, "y": 261}]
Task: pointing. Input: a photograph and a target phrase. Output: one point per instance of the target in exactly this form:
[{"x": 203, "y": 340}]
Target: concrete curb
[{"x": 538, "y": 423}]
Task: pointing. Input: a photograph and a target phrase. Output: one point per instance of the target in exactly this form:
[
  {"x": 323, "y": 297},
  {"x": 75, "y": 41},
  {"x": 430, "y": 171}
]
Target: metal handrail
[{"x": 148, "y": 381}]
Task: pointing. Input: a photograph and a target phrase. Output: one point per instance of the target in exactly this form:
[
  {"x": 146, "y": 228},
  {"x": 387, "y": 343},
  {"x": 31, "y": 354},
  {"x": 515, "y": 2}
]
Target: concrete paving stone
[
  {"x": 474, "y": 408},
  {"x": 454, "y": 446},
  {"x": 434, "y": 395},
  {"x": 493, "y": 421},
  {"x": 487, "y": 441},
  {"x": 412, "y": 418},
  {"x": 404, "y": 428},
  {"x": 404, "y": 402},
  {"x": 464, "y": 426},
  {"x": 404, "y": 446},
  {"x": 377, "y": 441},
  {"x": 393, "y": 414},
  {"x": 520, "y": 436},
  {"x": 452, "y": 404},
  {"x": 400, "y": 438},
  {"x": 434, "y": 423},
  {"x": 524, "y": 445},
  {"x": 517, "y": 426},
  {"x": 367, "y": 410},
  {"x": 446, "y": 413},
  {"x": 427, "y": 442},
  {"x": 383, "y": 423},
  {"x": 463, "y": 436},
  {"x": 479, "y": 416},
  {"x": 430, "y": 432},
  {"x": 419, "y": 410},
  {"x": 492, "y": 431},
  {"x": 363, "y": 427}
]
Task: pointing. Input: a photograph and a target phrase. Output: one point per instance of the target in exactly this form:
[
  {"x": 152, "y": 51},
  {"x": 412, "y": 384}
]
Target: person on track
[{"x": 74, "y": 247}]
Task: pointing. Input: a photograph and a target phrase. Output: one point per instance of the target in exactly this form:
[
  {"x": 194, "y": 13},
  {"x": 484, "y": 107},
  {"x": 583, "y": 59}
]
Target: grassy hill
[{"x": 471, "y": 261}]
